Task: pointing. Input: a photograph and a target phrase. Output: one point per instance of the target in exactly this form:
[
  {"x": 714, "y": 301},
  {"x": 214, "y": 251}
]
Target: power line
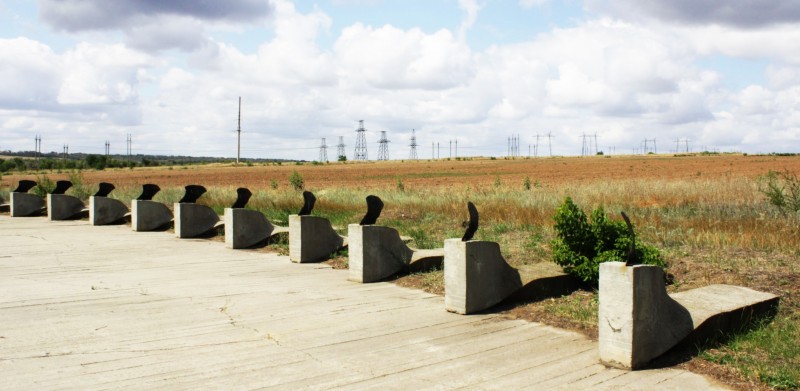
[{"x": 361, "y": 142}]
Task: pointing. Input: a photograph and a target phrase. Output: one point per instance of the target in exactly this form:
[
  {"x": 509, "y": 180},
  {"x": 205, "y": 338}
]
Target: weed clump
[{"x": 581, "y": 245}]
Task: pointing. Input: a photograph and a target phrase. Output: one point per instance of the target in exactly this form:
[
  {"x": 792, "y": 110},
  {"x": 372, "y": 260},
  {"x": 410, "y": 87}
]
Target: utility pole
[
  {"x": 239, "y": 133},
  {"x": 438, "y": 151},
  {"x": 451, "y": 149},
  {"x": 108, "y": 148},
  {"x": 456, "y": 148},
  {"x": 361, "y": 142},
  {"x": 413, "y": 154},
  {"x": 383, "y": 150},
  {"x": 129, "y": 149},
  {"x": 323, "y": 152},
  {"x": 340, "y": 149}
]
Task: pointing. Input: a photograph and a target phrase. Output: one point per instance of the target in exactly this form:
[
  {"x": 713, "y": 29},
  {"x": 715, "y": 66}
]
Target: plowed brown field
[{"x": 442, "y": 173}]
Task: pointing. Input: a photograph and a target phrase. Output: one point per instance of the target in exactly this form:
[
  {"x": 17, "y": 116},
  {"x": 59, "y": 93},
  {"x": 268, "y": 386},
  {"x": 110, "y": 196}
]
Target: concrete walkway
[{"x": 92, "y": 308}]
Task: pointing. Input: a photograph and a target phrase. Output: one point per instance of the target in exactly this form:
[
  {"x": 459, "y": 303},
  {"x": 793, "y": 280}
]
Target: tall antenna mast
[
  {"x": 340, "y": 149},
  {"x": 239, "y": 132},
  {"x": 361, "y": 142},
  {"x": 383, "y": 151},
  {"x": 323, "y": 152},
  {"x": 413, "y": 154}
]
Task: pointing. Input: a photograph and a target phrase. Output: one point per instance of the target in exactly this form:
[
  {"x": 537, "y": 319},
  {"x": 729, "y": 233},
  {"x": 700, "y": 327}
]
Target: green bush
[
  {"x": 782, "y": 189},
  {"x": 581, "y": 245},
  {"x": 44, "y": 185},
  {"x": 296, "y": 180}
]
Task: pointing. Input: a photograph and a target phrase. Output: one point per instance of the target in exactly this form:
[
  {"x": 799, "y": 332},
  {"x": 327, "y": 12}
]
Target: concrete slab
[
  {"x": 312, "y": 238},
  {"x": 104, "y": 210},
  {"x": 89, "y": 308},
  {"x": 376, "y": 252},
  {"x": 149, "y": 215},
  {"x": 639, "y": 321}
]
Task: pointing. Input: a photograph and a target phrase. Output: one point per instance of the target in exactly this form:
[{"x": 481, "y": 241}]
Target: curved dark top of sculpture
[
  {"x": 308, "y": 203},
  {"x": 242, "y": 196},
  {"x": 62, "y": 187},
  {"x": 24, "y": 186},
  {"x": 632, "y": 248},
  {"x": 149, "y": 191},
  {"x": 374, "y": 208},
  {"x": 105, "y": 189},
  {"x": 193, "y": 192},
  {"x": 473, "y": 222}
]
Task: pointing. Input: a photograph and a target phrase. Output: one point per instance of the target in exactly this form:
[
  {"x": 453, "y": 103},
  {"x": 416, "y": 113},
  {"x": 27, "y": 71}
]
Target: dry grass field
[{"x": 706, "y": 214}]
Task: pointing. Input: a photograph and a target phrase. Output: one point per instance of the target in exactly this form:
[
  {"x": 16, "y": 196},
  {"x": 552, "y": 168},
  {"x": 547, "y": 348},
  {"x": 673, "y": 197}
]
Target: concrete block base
[
  {"x": 312, "y": 238},
  {"x": 192, "y": 220},
  {"x": 639, "y": 321},
  {"x": 104, "y": 210},
  {"x": 245, "y": 227},
  {"x": 378, "y": 252},
  {"x": 149, "y": 215},
  {"x": 476, "y": 276},
  {"x": 24, "y": 204},
  {"x": 63, "y": 207}
]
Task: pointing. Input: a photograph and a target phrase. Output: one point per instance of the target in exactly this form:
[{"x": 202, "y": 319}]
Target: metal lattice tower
[
  {"x": 323, "y": 152},
  {"x": 340, "y": 148},
  {"x": 383, "y": 150},
  {"x": 361, "y": 142},
  {"x": 413, "y": 154}
]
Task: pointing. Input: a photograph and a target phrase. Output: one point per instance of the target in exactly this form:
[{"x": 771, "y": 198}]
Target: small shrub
[
  {"x": 581, "y": 245},
  {"x": 497, "y": 182},
  {"x": 273, "y": 184},
  {"x": 44, "y": 185},
  {"x": 526, "y": 183},
  {"x": 782, "y": 190},
  {"x": 296, "y": 181},
  {"x": 400, "y": 185}
]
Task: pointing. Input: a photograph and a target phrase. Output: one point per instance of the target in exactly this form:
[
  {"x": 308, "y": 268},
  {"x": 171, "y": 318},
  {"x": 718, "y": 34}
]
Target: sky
[{"x": 704, "y": 74}]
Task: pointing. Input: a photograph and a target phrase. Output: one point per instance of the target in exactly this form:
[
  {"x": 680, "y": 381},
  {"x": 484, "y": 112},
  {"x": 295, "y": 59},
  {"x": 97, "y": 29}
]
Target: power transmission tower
[
  {"x": 584, "y": 149},
  {"x": 451, "y": 149},
  {"x": 108, "y": 148},
  {"x": 340, "y": 149},
  {"x": 361, "y": 142},
  {"x": 536, "y": 147},
  {"x": 595, "y": 143},
  {"x": 129, "y": 142},
  {"x": 550, "y": 143},
  {"x": 239, "y": 133},
  {"x": 38, "y": 149},
  {"x": 456, "y": 148},
  {"x": 413, "y": 154},
  {"x": 323, "y": 152},
  {"x": 383, "y": 150}
]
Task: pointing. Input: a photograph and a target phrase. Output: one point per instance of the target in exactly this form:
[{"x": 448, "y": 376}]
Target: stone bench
[
  {"x": 244, "y": 227},
  {"x": 104, "y": 210},
  {"x": 61, "y": 206},
  {"x": 312, "y": 238},
  {"x": 149, "y": 215},
  {"x": 638, "y": 321},
  {"x": 477, "y": 277},
  {"x": 24, "y": 204},
  {"x": 191, "y": 219},
  {"x": 377, "y": 252}
]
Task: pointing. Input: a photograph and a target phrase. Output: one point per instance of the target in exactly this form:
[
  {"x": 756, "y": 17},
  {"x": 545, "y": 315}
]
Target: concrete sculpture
[
  {"x": 192, "y": 219},
  {"x": 476, "y": 276},
  {"x": 146, "y": 214},
  {"x": 61, "y": 206},
  {"x": 244, "y": 227},
  {"x": 311, "y": 238},
  {"x": 104, "y": 210},
  {"x": 378, "y": 252},
  {"x": 22, "y": 203},
  {"x": 638, "y": 321}
]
